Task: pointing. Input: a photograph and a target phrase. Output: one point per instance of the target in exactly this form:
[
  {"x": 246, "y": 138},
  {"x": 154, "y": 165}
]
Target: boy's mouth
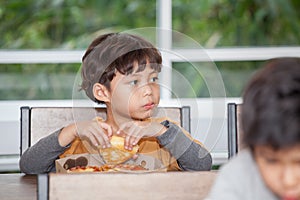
[
  {"x": 289, "y": 197},
  {"x": 149, "y": 106}
]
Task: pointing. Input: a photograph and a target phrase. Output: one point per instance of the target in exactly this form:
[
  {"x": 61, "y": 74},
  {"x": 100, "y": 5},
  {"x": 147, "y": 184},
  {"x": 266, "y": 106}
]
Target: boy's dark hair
[
  {"x": 114, "y": 52},
  {"x": 271, "y": 105}
]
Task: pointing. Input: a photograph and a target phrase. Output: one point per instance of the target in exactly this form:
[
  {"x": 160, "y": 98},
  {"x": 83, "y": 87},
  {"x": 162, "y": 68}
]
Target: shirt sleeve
[
  {"x": 40, "y": 158},
  {"x": 190, "y": 155}
]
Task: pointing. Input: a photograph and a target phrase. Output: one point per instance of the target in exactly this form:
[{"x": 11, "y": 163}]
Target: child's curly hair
[{"x": 114, "y": 52}]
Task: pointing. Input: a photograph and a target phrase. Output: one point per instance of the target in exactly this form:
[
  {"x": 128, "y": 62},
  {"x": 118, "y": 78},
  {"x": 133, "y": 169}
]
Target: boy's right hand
[{"x": 98, "y": 133}]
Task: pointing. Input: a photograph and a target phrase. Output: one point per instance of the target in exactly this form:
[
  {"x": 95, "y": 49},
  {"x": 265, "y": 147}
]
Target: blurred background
[{"x": 223, "y": 28}]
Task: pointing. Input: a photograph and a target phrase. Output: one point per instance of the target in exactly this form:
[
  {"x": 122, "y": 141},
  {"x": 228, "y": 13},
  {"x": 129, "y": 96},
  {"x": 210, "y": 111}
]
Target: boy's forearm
[
  {"x": 40, "y": 157},
  {"x": 67, "y": 135},
  {"x": 189, "y": 154}
]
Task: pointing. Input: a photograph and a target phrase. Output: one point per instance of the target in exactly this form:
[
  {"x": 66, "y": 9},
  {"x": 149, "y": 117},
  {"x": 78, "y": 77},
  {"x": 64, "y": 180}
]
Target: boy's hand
[
  {"x": 133, "y": 131},
  {"x": 97, "y": 132}
]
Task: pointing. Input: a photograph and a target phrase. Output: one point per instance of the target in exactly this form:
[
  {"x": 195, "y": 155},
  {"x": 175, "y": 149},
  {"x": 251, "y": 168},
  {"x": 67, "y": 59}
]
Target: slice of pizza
[
  {"x": 117, "y": 154},
  {"x": 82, "y": 169},
  {"x": 129, "y": 167}
]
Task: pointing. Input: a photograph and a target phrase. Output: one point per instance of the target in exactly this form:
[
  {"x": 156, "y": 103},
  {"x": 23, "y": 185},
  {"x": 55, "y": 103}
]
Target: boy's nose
[
  {"x": 289, "y": 177},
  {"x": 147, "y": 90}
]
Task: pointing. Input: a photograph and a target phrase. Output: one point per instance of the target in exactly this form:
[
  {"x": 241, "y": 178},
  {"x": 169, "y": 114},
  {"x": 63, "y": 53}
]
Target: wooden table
[
  {"x": 18, "y": 186},
  {"x": 162, "y": 186},
  {"x": 133, "y": 186}
]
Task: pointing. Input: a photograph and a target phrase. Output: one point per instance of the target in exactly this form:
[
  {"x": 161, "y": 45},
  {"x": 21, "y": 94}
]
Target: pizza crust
[{"x": 117, "y": 154}]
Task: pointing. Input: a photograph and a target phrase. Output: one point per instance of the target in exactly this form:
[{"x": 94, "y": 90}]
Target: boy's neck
[{"x": 114, "y": 120}]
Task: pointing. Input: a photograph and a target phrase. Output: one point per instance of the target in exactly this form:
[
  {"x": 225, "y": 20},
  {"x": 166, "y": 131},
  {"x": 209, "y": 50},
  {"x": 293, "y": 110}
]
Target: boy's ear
[{"x": 101, "y": 93}]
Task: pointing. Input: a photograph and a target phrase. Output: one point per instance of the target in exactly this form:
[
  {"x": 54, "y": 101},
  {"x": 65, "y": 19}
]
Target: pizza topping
[
  {"x": 84, "y": 169},
  {"x": 129, "y": 167},
  {"x": 107, "y": 168}
]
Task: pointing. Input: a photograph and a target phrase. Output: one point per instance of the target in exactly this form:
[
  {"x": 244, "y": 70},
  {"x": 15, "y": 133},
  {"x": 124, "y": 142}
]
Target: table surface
[{"x": 18, "y": 186}]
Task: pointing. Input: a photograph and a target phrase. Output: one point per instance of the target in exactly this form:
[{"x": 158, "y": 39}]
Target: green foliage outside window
[
  {"x": 72, "y": 24},
  {"x": 219, "y": 23}
]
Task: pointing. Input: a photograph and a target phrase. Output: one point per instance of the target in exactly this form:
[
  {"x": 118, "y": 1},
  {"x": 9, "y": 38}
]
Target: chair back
[
  {"x": 38, "y": 122},
  {"x": 235, "y": 131}
]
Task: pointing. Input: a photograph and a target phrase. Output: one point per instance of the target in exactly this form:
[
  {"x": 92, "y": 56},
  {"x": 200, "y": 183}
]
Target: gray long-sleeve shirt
[
  {"x": 40, "y": 158},
  {"x": 240, "y": 179}
]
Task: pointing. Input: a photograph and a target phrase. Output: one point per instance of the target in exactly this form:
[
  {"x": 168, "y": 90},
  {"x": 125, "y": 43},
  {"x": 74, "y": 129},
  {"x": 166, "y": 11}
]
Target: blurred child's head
[
  {"x": 271, "y": 124},
  {"x": 116, "y": 52}
]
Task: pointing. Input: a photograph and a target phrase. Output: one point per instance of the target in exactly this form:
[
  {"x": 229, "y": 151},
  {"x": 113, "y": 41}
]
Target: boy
[
  {"x": 121, "y": 70},
  {"x": 270, "y": 167}
]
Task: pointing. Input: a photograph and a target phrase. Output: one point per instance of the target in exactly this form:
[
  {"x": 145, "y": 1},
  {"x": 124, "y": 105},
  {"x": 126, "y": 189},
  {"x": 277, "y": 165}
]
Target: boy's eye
[
  {"x": 134, "y": 82},
  {"x": 271, "y": 160},
  {"x": 154, "y": 79}
]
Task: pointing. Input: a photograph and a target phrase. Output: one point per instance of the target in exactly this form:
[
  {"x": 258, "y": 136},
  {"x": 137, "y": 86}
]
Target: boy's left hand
[{"x": 135, "y": 130}]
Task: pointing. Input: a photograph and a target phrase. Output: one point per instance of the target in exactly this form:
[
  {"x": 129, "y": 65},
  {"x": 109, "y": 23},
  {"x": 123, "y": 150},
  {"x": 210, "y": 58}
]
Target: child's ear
[{"x": 100, "y": 92}]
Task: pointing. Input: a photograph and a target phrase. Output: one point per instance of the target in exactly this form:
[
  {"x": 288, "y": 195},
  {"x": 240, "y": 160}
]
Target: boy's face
[
  {"x": 135, "y": 95},
  {"x": 280, "y": 170}
]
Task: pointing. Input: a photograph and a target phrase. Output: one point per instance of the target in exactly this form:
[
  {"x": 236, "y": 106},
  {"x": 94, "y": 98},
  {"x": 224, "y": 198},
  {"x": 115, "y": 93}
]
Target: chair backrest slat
[
  {"x": 234, "y": 129},
  {"x": 38, "y": 122}
]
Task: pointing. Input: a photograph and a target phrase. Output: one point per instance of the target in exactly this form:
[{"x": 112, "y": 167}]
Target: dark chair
[{"x": 234, "y": 129}]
